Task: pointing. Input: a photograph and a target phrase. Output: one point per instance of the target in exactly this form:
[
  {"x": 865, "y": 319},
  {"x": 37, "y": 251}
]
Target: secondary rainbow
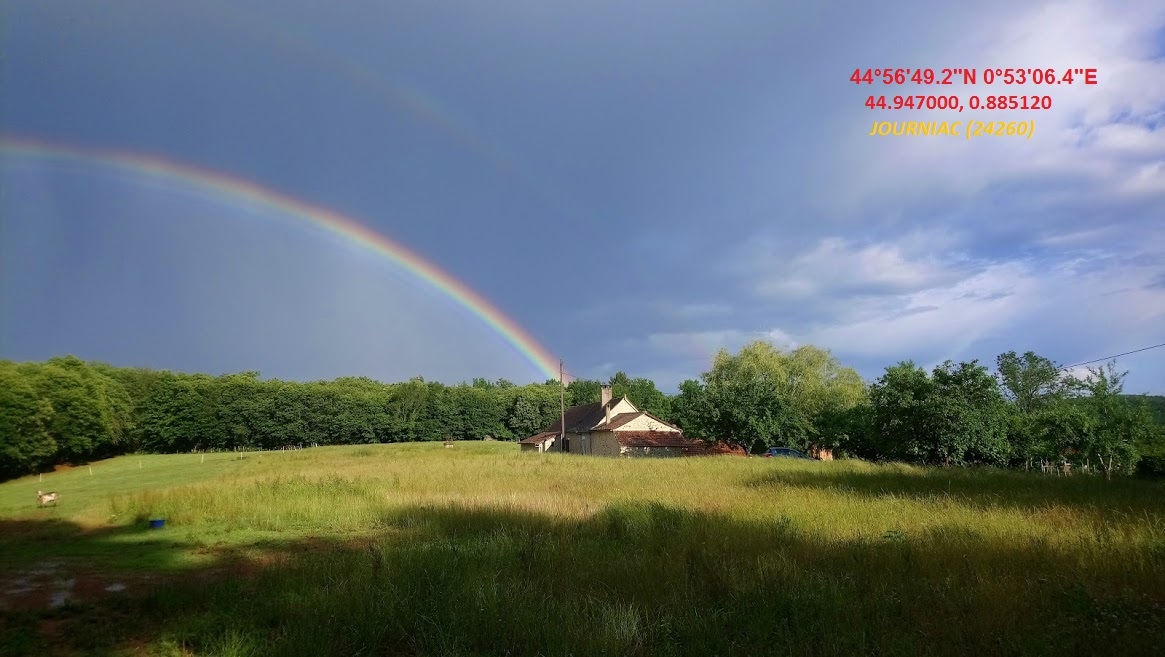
[
  {"x": 398, "y": 94},
  {"x": 222, "y": 186}
]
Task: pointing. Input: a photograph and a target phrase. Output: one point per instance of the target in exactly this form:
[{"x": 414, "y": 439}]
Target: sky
[{"x": 636, "y": 185}]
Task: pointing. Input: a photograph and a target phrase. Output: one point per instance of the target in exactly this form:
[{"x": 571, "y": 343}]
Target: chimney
[{"x": 606, "y": 401}]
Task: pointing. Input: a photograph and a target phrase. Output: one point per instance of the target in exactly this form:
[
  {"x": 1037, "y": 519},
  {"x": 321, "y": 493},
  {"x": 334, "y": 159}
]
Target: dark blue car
[{"x": 788, "y": 453}]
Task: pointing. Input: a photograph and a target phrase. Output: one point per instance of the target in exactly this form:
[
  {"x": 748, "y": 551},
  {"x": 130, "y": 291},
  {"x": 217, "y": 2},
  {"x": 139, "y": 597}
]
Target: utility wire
[{"x": 1089, "y": 362}]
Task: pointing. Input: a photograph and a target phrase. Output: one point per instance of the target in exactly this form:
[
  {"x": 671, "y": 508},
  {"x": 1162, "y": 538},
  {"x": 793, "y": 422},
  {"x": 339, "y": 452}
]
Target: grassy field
[{"x": 479, "y": 550}]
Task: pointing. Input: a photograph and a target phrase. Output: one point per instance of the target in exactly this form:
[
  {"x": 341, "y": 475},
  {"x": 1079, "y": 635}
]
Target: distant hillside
[{"x": 1156, "y": 404}]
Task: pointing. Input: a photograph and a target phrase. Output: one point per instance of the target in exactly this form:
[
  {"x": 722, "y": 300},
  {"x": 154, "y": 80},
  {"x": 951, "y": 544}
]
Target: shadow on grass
[
  {"x": 984, "y": 489},
  {"x": 26, "y": 542},
  {"x": 632, "y": 580}
]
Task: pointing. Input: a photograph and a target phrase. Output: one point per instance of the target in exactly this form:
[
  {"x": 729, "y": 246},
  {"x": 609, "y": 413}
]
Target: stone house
[{"x": 610, "y": 427}]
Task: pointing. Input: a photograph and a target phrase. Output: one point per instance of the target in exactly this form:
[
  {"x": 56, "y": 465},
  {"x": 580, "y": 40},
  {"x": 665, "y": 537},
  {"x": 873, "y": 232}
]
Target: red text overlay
[
  {"x": 974, "y": 76},
  {"x": 958, "y": 103},
  {"x": 984, "y": 90}
]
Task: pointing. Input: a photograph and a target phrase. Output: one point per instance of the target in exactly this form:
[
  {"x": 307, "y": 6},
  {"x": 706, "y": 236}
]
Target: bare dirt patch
[{"x": 51, "y": 585}]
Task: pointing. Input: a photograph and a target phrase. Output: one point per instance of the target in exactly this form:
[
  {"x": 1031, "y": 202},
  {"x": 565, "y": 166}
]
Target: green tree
[
  {"x": 691, "y": 412},
  {"x": 786, "y": 397},
  {"x": 408, "y": 404},
  {"x": 747, "y": 413},
  {"x": 899, "y": 413},
  {"x": 816, "y": 382},
  {"x": 524, "y": 420},
  {"x": 26, "y": 440},
  {"x": 90, "y": 412},
  {"x": 967, "y": 416},
  {"x": 181, "y": 415},
  {"x": 582, "y": 391},
  {"x": 846, "y": 429},
  {"x": 483, "y": 413},
  {"x": 642, "y": 392},
  {"x": 743, "y": 401},
  {"x": 1121, "y": 426},
  {"x": 441, "y": 418},
  {"x": 240, "y": 409},
  {"x": 1057, "y": 431},
  {"x": 953, "y": 416},
  {"x": 1036, "y": 389},
  {"x": 1032, "y": 381},
  {"x": 137, "y": 383}
]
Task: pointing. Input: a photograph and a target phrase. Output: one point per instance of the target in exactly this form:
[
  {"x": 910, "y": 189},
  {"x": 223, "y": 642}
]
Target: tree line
[
  {"x": 66, "y": 410},
  {"x": 1028, "y": 413}
]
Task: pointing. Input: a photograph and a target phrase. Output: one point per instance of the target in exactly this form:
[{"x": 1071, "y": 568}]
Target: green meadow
[{"x": 415, "y": 549}]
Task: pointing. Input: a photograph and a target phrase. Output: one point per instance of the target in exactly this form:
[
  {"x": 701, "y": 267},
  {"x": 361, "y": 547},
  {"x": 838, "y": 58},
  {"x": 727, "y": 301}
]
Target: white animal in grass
[{"x": 43, "y": 498}]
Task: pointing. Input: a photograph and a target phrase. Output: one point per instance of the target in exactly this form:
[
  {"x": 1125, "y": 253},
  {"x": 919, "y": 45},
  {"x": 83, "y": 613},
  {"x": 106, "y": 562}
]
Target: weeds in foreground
[{"x": 481, "y": 552}]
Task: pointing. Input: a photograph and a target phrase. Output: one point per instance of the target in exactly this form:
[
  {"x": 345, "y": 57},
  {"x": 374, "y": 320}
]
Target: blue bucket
[{"x": 157, "y": 524}]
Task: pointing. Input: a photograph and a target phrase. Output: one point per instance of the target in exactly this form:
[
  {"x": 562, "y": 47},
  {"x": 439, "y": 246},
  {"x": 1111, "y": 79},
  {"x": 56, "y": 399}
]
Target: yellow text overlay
[{"x": 965, "y": 129}]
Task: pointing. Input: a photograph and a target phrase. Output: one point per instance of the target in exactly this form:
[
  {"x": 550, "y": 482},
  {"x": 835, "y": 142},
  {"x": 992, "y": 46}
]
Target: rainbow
[
  {"x": 235, "y": 189},
  {"x": 397, "y": 94}
]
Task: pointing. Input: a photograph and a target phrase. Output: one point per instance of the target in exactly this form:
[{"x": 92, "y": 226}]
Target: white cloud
[
  {"x": 1077, "y": 237},
  {"x": 838, "y": 266},
  {"x": 931, "y": 249},
  {"x": 945, "y": 317},
  {"x": 949, "y": 309},
  {"x": 1080, "y": 372},
  {"x": 702, "y": 345},
  {"x": 1096, "y": 138}
]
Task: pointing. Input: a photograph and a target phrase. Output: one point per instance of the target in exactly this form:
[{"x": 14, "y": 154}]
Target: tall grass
[{"x": 481, "y": 550}]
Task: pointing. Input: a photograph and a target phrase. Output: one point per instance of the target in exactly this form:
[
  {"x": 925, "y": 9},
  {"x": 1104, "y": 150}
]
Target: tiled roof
[
  {"x": 577, "y": 416},
  {"x": 701, "y": 448},
  {"x": 651, "y": 439},
  {"x": 539, "y": 438},
  {"x": 618, "y": 421},
  {"x": 583, "y": 418},
  {"x": 623, "y": 418}
]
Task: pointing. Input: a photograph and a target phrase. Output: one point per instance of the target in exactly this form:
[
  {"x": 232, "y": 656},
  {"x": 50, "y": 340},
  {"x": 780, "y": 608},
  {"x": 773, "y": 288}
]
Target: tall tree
[
  {"x": 745, "y": 410},
  {"x": 967, "y": 416},
  {"x": 691, "y": 412},
  {"x": 899, "y": 413},
  {"x": 808, "y": 384},
  {"x": 765, "y": 395},
  {"x": 524, "y": 420},
  {"x": 137, "y": 382},
  {"x": 482, "y": 413},
  {"x": 582, "y": 391},
  {"x": 26, "y": 440},
  {"x": 181, "y": 414},
  {"x": 1055, "y": 432},
  {"x": 1032, "y": 381},
  {"x": 642, "y": 392},
  {"x": 409, "y": 401},
  {"x": 91, "y": 414},
  {"x": 953, "y": 416},
  {"x": 1121, "y": 425}
]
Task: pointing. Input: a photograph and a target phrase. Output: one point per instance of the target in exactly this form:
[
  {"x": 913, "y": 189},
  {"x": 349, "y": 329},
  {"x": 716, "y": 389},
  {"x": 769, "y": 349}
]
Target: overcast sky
[{"x": 637, "y": 184}]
